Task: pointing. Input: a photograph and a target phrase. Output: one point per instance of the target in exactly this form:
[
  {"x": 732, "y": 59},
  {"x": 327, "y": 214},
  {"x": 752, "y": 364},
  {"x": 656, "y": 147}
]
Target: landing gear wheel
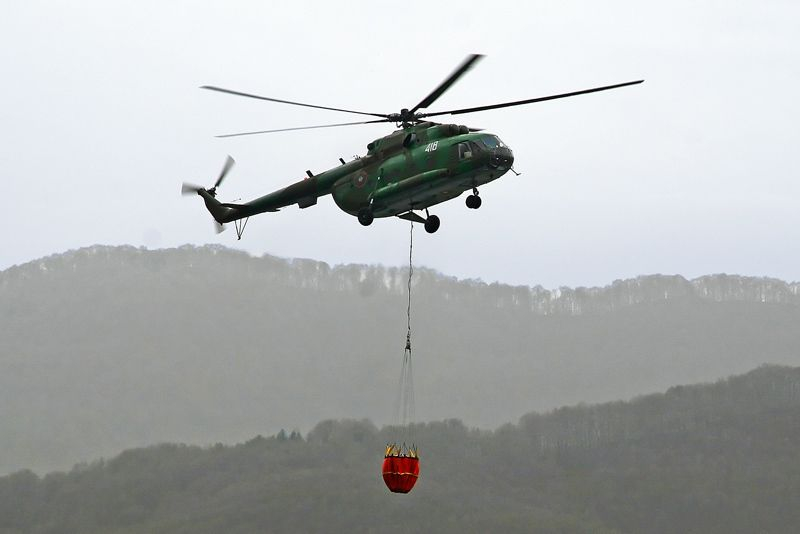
[
  {"x": 432, "y": 224},
  {"x": 474, "y": 202},
  {"x": 365, "y": 217}
]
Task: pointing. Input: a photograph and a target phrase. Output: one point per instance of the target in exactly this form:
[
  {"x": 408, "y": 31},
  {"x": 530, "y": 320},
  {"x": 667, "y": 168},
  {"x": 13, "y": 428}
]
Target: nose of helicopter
[{"x": 501, "y": 158}]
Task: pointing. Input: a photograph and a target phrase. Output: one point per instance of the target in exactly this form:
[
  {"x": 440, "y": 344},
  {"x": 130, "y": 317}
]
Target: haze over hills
[
  {"x": 711, "y": 458},
  {"x": 106, "y": 348}
]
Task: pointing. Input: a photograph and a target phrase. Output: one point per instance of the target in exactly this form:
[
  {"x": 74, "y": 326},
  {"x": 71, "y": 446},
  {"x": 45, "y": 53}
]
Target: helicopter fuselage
[
  {"x": 419, "y": 167},
  {"x": 413, "y": 168}
]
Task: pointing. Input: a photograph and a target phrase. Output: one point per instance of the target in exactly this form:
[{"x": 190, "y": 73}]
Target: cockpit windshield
[{"x": 491, "y": 141}]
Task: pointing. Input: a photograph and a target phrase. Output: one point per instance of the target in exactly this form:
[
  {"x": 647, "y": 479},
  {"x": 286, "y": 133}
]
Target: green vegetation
[
  {"x": 716, "y": 458},
  {"x": 107, "y": 348}
]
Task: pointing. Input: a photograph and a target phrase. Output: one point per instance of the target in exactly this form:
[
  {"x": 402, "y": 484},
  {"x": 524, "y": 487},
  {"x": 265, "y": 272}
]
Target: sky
[{"x": 693, "y": 172}]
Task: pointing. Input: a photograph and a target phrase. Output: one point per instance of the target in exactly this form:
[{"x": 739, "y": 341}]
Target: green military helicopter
[{"x": 421, "y": 164}]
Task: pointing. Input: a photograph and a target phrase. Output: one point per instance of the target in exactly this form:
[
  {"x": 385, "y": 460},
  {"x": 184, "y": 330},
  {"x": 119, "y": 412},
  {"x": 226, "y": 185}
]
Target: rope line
[
  {"x": 405, "y": 395},
  {"x": 410, "y": 275}
]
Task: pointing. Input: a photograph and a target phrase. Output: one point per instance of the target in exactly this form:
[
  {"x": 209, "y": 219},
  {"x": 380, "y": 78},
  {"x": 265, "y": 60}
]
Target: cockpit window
[
  {"x": 492, "y": 141},
  {"x": 464, "y": 151}
]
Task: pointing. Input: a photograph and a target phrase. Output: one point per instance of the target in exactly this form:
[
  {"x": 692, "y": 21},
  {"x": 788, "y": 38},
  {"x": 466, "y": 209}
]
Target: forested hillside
[
  {"x": 715, "y": 458},
  {"x": 107, "y": 348}
]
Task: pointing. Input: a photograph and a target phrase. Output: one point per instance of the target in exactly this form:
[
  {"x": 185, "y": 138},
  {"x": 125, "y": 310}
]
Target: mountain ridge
[
  {"x": 107, "y": 348},
  {"x": 718, "y": 287}
]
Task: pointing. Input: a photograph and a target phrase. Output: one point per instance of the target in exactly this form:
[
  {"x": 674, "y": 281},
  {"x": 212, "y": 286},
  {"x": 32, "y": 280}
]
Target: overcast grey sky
[{"x": 693, "y": 172}]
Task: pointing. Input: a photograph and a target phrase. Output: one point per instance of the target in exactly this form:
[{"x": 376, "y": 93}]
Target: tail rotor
[{"x": 192, "y": 189}]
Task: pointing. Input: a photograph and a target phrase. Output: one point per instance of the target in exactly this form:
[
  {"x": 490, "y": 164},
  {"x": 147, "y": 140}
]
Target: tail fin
[{"x": 221, "y": 213}]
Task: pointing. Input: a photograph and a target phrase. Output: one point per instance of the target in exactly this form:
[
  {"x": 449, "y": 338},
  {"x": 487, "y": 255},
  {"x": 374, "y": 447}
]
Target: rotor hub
[{"x": 405, "y": 117}]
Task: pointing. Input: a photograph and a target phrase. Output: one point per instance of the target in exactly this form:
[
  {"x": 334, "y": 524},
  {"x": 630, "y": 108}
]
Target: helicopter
[{"x": 419, "y": 165}]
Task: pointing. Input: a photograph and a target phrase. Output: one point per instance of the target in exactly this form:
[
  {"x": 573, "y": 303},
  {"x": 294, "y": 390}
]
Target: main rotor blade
[
  {"x": 445, "y": 85},
  {"x": 303, "y": 128},
  {"x": 227, "y": 167},
  {"x": 259, "y": 97},
  {"x": 529, "y": 101}
]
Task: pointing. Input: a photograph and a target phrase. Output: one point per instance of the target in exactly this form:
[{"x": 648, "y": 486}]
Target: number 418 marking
[{"x": 430, "y": 147}]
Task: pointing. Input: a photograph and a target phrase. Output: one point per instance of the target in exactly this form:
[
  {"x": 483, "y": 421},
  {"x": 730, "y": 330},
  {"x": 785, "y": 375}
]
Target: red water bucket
[{"x": 400, "y": 473}]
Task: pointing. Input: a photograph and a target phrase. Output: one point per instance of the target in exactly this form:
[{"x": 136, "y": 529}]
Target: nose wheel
[
  {"x": 474, "y": 201},
  {"x": 365, "y": 217}
]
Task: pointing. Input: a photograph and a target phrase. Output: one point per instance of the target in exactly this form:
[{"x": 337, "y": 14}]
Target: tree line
[{"x": 712, "y": 458}]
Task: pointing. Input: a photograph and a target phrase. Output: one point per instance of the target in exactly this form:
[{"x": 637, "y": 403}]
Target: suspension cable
[
  {"x": 405, "y": 390},
  {"x": 410, "y": 275}
]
